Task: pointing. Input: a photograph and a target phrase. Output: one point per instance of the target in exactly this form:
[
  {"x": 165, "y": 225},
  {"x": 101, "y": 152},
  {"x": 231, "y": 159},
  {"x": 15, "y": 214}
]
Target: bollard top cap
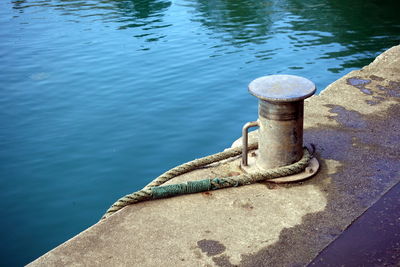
[{"x": 282, "y": 88}]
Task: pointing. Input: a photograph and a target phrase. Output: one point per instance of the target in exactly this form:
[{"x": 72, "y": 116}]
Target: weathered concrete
[{"x": 354, "y": 124}]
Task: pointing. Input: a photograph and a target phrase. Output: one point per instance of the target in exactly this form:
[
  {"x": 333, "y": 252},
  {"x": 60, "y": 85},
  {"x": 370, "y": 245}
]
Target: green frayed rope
[
  {"x": 181, "y": 189},
  {"x": 154, "y": 190}
]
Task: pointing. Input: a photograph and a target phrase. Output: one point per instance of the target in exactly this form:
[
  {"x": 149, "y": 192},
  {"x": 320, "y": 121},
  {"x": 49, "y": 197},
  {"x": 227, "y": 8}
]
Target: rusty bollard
[{"x": 280, "y": 121}]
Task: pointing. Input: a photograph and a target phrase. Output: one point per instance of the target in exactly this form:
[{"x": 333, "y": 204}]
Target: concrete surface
[{"x": 355, "y": 126}]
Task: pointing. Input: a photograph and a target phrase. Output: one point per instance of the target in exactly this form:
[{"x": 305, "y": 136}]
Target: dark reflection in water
[
  {"x": 362, "y": 27},
  {"x": 134, "y": 11},
  {"x": 242, "y": 21},
  {"x": 140, "y": 9},
  {"x": 128, "y": 13}
]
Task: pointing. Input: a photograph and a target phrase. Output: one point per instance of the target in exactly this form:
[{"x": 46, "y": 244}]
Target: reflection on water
[
  {"x": 359, "y": 26},
  {"x": 127, "y": 13},
  {"x": 242, "y": 21},
  {"x": 100, "y": 96}
]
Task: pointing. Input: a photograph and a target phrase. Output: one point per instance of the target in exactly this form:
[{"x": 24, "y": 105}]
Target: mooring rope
[{"x": 154, "y": 189}]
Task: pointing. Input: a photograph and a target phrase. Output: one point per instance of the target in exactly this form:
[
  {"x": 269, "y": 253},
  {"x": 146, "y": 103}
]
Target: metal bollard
[{"x": 280, "y": 120}]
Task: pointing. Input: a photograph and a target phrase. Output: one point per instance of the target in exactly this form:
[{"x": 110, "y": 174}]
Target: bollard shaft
[{"x": 280, "y": 134}]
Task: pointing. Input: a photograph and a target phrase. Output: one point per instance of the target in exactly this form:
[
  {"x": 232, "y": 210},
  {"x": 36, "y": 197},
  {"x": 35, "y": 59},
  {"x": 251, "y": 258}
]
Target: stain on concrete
[
  {"x": 391, "y": 90},
  {"x": 376, "y": 78},
  {"x": 378, "y": 100},
  {"x": 360, "y": 84},
  {"x": 366, "y": 91},
  {"x": 211, "y": 247},
  {"x": 372, "y": 102},
  {"x": 223, "y": 261},
  {"x": 347, "y": 118},
  {"x": 381, "y": 87},
  {"x": 394, "y": 85},
  {"x": 246, "y": 204},
  {"x": 357, "y": 82}
]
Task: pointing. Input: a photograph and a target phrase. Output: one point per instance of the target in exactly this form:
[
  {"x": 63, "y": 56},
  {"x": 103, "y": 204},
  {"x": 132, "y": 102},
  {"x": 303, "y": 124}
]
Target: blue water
[{"x": 98, "y": 97}]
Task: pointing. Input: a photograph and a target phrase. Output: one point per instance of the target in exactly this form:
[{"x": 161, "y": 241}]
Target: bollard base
[{"x": 308, "y": 172}]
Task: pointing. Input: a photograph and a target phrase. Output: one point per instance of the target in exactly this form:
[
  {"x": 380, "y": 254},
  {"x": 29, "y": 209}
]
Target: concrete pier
[{"x": 355, "y": 126}]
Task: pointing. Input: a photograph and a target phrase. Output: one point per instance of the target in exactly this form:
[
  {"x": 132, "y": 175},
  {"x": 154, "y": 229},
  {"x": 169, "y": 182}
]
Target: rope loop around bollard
[{"x": 155, "y": 190}]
